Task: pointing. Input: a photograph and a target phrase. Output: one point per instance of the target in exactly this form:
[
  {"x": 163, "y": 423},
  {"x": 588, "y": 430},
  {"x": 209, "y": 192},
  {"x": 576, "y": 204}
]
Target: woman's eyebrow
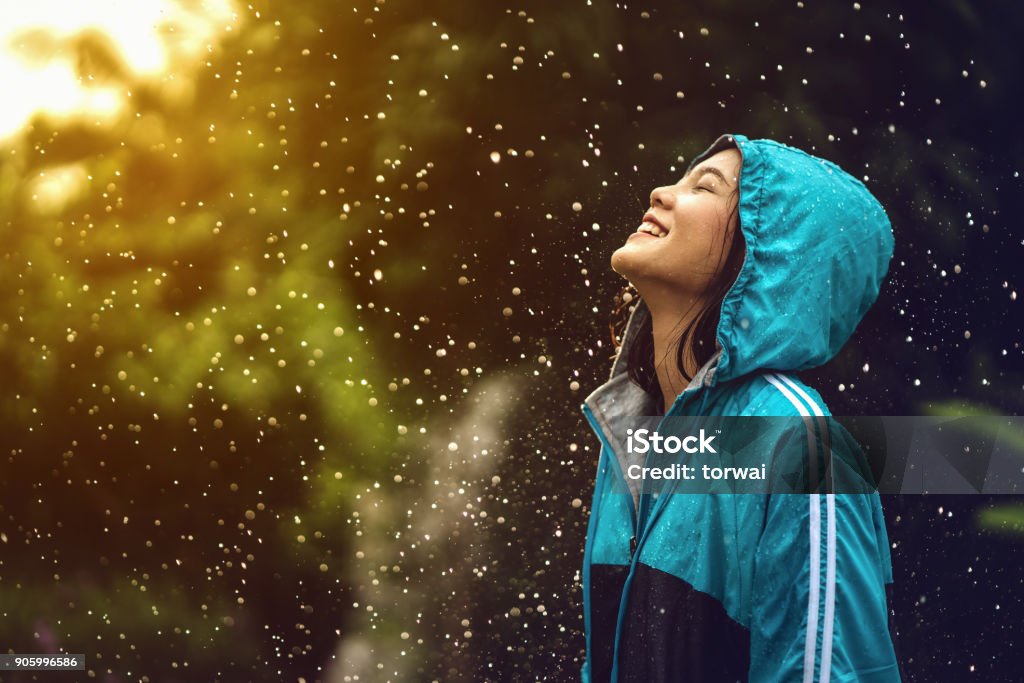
[{"x": 712, "y": 170}]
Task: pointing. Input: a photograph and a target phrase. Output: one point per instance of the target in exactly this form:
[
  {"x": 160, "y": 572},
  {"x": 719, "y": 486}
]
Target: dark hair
[{"x": 698, "y": 337}]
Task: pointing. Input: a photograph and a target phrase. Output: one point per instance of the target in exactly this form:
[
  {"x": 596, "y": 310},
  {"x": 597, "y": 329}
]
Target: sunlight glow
[{"x": 40, "y": 65}]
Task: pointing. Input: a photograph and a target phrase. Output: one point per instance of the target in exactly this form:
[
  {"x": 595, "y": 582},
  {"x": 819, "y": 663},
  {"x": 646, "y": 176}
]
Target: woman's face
[{"x": 682, "y": 240}]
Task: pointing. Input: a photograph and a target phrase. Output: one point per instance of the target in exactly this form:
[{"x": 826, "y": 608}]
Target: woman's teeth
[{"x": 652, "y": 229}]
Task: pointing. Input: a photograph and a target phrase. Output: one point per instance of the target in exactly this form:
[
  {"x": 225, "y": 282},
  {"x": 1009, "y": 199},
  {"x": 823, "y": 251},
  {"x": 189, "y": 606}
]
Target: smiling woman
[
  {"x": 683, "y": 258},
  {"x": 739, "y": 587}
]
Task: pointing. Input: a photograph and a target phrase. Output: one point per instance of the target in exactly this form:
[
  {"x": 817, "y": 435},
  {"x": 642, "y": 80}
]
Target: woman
[{"x": 762, "y": 259}]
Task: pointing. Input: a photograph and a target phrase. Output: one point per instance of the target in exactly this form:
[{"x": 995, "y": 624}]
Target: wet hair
[{"x": 698, "y": 337}]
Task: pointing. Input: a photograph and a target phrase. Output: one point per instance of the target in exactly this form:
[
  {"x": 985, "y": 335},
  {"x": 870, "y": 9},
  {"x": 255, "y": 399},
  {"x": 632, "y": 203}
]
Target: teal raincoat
[{"x": 751, "y": 587}]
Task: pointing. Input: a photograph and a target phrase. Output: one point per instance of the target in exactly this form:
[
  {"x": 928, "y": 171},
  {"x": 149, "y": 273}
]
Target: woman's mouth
[
  {"x": 652, "y": 229},
  {"x": 641, "y": 236},
  {"x": 652, "y": 225}
]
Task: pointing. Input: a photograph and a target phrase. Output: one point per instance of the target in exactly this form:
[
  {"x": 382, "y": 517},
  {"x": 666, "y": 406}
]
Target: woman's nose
[{"x": 662, "y": 197}]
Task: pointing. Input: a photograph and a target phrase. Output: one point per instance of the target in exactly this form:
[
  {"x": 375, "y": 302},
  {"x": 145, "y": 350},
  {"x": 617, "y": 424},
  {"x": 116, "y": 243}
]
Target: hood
[{"x": 818, "y": 246}]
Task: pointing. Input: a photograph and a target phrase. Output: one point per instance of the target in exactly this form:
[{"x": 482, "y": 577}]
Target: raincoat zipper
[
  {"x": 648, "y": 520},
  {"x": 638, "y": 520}
]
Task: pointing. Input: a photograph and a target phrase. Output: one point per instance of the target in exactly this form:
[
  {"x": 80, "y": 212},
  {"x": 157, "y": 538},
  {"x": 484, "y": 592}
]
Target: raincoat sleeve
[{"x": 818, "y": 603}]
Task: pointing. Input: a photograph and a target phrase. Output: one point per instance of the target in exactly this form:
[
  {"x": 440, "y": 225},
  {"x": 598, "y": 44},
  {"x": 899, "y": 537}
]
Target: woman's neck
[{"x": 667, "y": 324}]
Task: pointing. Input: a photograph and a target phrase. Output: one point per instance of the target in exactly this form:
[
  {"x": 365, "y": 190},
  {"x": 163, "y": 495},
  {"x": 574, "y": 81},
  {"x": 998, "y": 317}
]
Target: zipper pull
[{"x": 632, "y": 546}]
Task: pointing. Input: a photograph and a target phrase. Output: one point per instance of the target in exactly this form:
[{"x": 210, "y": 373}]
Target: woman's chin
[{"x": 626, "y": 261}]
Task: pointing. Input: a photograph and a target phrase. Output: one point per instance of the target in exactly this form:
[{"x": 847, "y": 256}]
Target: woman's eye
[{"x": 706, "y": 189}]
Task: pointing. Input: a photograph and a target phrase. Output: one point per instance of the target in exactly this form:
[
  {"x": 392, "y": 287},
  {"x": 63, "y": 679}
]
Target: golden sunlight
[{"x": 77, "y": 59}]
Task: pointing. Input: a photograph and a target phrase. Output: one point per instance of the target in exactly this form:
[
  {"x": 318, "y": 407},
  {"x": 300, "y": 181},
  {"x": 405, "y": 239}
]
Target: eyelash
[{"x": 706, "y": 189}]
